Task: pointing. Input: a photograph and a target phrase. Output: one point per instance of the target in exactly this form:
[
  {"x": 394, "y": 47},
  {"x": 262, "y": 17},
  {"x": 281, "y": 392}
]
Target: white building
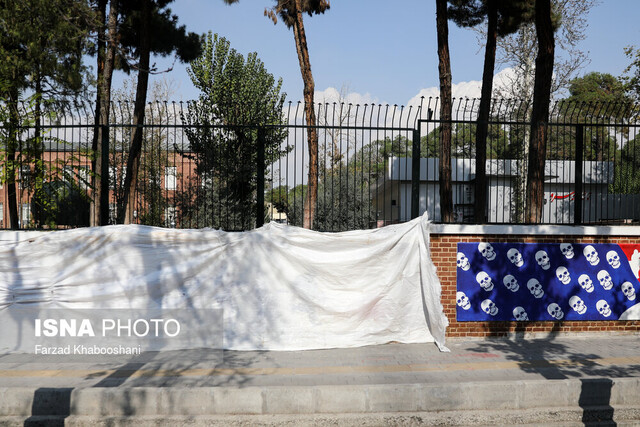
[{"x": 392, "y": 195}]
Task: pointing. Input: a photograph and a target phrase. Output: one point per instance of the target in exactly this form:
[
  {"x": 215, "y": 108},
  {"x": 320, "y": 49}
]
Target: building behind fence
[{"x": 376, "y": 164}]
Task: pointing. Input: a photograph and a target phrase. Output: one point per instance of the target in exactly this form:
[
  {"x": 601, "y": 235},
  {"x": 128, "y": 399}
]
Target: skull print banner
[{"x": 546, "y": 281}]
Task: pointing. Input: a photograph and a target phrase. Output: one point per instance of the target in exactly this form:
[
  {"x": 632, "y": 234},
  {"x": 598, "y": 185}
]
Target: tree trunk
[
  {"x": 540, "y": 111},
  {"x": 38, "y": 151},
  {"x": 444, "y": 68},
  {"x": 101, "y": 177},
  {"x": 125, "y": 214},
  {"x": 482, "y": 129},
  {"x": 310, "y": 116},
  {"x": 12, "y": 147},
  {"x": 101, "y": 56}
]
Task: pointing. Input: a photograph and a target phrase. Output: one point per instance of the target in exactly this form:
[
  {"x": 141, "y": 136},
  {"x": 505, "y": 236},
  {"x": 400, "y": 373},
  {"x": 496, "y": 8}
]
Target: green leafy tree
[
  {"x": 344, "y": 198},
  {"x": 42, "y": 44},
  {"x": 518, "y": 50},
  {"x": 540, "y": 111},
  {"x": 149, "y": 28},
  {"x": 503, "y": 18},
  {"x": 594, "y": 100},
  {"x": 631, "y": 76},
  {"x": 291, "y": 13},
  {"x": 237, "y": 96},
  {"x": 627, "y": 178},
  {"x": 152, "y": 203},
  {"x": 463, "y": 139},
  {"x": 279, "y": 197}
]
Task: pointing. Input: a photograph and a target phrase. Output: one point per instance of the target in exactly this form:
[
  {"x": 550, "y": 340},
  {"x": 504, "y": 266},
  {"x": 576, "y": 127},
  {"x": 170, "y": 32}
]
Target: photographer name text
[{"x": 87, "y": 350}]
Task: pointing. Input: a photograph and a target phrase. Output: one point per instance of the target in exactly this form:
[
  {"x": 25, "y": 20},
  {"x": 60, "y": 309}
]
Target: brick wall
[{"x": 443, "y": 254}]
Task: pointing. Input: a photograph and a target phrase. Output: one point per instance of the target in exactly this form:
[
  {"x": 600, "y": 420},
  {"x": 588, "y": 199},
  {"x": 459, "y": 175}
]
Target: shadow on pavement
[
  {"x": 596, "y": 394},
  {"x": 50, "y": 407},
  {"x": 555, "y": 360},
  {"x": 186, "y": 368}
]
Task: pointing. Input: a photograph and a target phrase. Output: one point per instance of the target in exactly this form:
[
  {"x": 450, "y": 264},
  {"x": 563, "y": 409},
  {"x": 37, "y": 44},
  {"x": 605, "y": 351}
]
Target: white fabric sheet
[{"x": 280, "y": 287}]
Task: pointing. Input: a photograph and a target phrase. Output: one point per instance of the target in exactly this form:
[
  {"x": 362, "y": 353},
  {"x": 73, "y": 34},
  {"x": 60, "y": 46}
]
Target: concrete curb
[
  {"x": 366, "y": 399},
  {"x": 565, "y": 417}
]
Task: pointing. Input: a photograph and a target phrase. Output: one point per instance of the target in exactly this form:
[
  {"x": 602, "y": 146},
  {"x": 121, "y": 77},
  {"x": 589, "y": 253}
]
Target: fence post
[
  {"x": 415, "y": 173},
  {"x": 577, "y": 215},
  {"x": 260, "y": 179},
  {"x": 105, "y": 186}
]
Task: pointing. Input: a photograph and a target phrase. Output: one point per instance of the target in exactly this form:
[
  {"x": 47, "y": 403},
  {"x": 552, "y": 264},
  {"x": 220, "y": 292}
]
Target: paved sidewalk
[
  {"x": 565, "y": 381},
  {"x": 589, "y": 356}
]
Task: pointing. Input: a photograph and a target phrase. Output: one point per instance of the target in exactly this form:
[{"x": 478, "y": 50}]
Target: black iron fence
[{"x": 377, "y": 165}]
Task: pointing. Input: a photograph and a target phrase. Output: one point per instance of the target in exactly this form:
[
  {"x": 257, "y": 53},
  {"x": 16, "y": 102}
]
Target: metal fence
[{"x": 377, "y": 165}]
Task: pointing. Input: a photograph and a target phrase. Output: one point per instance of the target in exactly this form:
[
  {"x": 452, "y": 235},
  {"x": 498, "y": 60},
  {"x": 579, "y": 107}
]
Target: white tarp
[{"x": 280, "y": 287}]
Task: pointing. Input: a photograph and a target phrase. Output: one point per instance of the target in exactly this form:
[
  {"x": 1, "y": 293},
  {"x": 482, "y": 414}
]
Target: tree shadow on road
[{"x": 555, "y": 359}]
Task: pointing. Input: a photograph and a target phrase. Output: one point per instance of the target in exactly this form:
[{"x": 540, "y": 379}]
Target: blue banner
[{"x": 547, "y": 281}]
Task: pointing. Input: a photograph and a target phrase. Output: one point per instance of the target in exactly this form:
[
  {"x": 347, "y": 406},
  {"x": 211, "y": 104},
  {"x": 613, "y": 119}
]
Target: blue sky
[{"x": 382, "y": 51}]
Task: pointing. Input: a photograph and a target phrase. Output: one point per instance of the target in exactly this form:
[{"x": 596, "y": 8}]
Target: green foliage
[
  {"x": 42, "y": 43},
  {"x": 344, "y": 200},
  {"x": 627, "y": 171},
  {"x": 236, "y": 97},
  {"x": 594, "y": 87},
  {"x": 631, "y": 76},
  {"x": 463, "y": 142},
  {"x": 167, "y": 37},
  {"x": 512, "y": 14},
  {"x": 61, "y": 202},
  {"x": 372, "y": 158},
  {"x": 594, "y": 100},
  {"x": 279, "y": 197},
  {"x": 55, "y": 186},
  {"x": 286, "y": 9}
]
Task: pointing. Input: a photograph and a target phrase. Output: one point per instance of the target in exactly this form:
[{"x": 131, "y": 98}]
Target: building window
[
  {"x": 1, "y": 214},
  {"x": 113, "y": 212},
  {"x": 206, "y": 180},
  {"x": 25, "y": 215},
  {"x": 114, "y": 182},
  {"x": 67, "y": 174},
  {"x": 170, "y": 177},
  {"x": 84, "y": 177},
  {"x": 24, "y": 176},
  {"x": 170, "y": 213}
]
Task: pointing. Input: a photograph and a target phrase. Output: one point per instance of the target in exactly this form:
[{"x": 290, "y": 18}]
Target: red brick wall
[{"x": 443, "y": 254}]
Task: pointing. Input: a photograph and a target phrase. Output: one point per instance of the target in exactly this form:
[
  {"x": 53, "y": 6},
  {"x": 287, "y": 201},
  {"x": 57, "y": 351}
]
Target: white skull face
[
  {"x": 555, "y": 311},
  {"x": 463, "y": 301},
  {"x": 567, "y": 250},
  {"x": 484, "y": 281},
  {"x": 586, "y": 283},
  {"x": 577, "y": 304},
  {"x": 603, "y": 308},
  {"x": 515, "y": 257},
  {"x": 511, "y": 283},
  {"x": 520, "y": 315},
  {"x": 486, "y": 250},
  {"x": 489, "y": 307},
  {"x": 628, "y": 291},
  {"x": 535, "y": 288},
  {"x": 462, "y": 262},
  {"x": 605, "y": 279},
  {"x": 543, "y": 260},
  {"x": 563, "y": 275},
  {"x": 613, "y": 259},
  {"x": 591, "y": 255}
]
